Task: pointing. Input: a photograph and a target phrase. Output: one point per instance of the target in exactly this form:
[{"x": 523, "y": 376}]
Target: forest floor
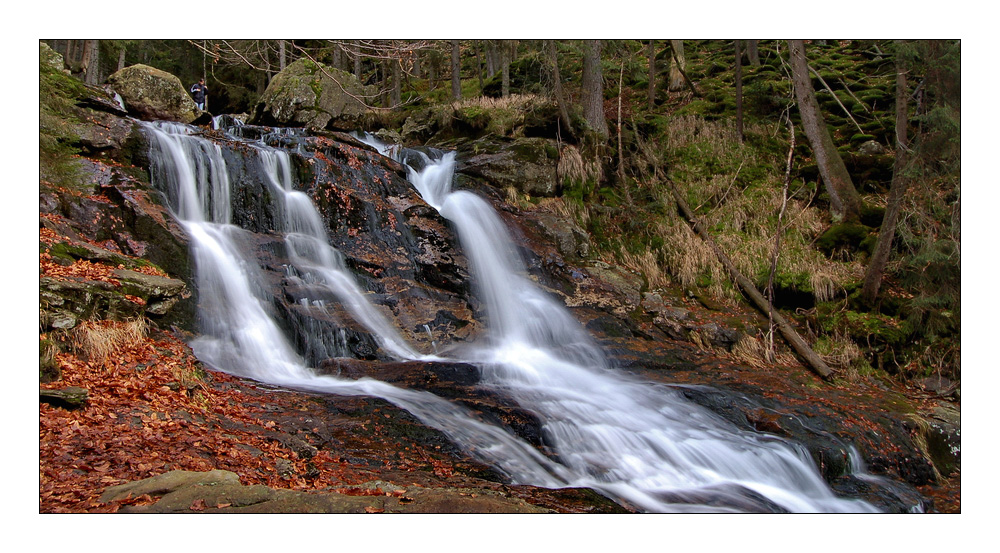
[{"x": 152, "y": 409}]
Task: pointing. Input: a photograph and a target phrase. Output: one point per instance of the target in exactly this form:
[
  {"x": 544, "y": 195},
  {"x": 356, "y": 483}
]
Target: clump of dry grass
[
  {"x": 573, "y": 169},
  {"x": 754, "y": 351},
  {"x": 98, "y": 340},
  {"x": 687, "y": 257},
  {"x": 568, "y": 210},
  {"x": 513, "y": 102},
  {"x": 647, "y": 264}
]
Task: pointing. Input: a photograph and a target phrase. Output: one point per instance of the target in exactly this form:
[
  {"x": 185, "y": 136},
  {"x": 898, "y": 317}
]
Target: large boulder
[
  {"x": 49, "y": 57},
  {"x": 526, "y": 164},
  {"x": 152, "y": 94},
  {"x": 312, "y": 95}
]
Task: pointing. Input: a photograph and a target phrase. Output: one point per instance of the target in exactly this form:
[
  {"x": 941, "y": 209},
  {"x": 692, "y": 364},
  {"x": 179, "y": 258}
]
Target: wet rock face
[
  {"x": 152, "y": 94},
  {"x": 398, "y": 249}
]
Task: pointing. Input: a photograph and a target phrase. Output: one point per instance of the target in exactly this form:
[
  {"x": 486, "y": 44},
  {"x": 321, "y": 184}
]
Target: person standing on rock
[{"x": 199, "y": 91}]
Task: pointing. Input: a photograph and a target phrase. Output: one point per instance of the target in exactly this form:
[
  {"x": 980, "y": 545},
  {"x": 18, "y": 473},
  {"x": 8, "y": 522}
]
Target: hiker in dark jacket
[{"x": 199, "y": 91}]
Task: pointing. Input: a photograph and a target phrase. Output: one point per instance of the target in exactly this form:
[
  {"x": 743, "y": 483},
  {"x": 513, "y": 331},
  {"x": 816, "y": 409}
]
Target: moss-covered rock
[
  {"x": 312, "y": 95},
  {"x": 845, "y": 236},
  {"x": 152, "y": 94}
]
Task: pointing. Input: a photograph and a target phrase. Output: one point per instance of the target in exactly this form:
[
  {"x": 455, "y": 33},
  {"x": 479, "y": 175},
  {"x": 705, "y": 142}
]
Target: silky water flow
[{"x": 640, "y": 443}]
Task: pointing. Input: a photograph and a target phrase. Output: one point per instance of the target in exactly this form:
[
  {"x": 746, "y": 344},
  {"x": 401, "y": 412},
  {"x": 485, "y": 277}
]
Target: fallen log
[
  {"x": 791, "y": 336},
  {"x": 70, "y": 397}
]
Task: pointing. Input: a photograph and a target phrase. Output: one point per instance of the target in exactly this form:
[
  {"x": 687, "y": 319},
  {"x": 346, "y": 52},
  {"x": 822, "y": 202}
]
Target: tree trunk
[
  {"x": 397, "y": 82},
  {"x": 592, "y": 94},
  {"x": 651, "y": 89},
  {"x": 89, "y": 61},
  {"x": 504, "y": 69},
  {"x": 456, "y": 77},
  {"x": 553, "y": 61},
  {"x": 677, "y": 63},
  {"x": 72, "y": 53},
  {"x": 282, "y": 56},
  {"x": 883, "y": 246},
  {"x": 621, "y": 151},
  {"x": 121, "y": 59},
  {"x": 491, "y": 59},
  {"x": 753, "y": 54},
  {"x": 385, "y": 84},
  {"x": 338, "y": 56},
  {"x": 479, "y": 67},
  {"x": 739, "y": 90},
  {"x": 357, "y": 62},
  {"x": 845, "y": 203}
]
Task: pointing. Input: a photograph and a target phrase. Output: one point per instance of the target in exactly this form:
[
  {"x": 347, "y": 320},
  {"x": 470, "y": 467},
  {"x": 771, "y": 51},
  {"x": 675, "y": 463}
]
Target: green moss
[
  {"x": 843, "y": 236},
  {"x": 57, "y": 120}
]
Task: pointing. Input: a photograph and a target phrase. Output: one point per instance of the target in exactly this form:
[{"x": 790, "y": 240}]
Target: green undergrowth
[{"x": 735, "y": 188}]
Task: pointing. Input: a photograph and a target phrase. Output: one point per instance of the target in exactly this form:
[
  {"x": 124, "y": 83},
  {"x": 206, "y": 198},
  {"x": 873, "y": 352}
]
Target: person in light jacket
[{"x": 199, "y": 91}]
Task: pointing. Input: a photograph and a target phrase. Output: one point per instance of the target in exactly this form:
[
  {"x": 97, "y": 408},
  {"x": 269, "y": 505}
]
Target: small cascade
[
  {"x": 430, "y": 337},
  {"x": 637, "y": 442},
  {"x": 630, "y": 439}
]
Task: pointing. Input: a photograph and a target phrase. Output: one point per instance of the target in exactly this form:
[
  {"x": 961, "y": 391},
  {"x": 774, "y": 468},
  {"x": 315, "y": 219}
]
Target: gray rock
[
  {"x": 153, "y": 94},
  {"x": 312, "y": 95},
  {"x": 526, "y": 164},
  {"x": 220, "y": 491},
  {"x": 871, "y": 148},
  {"x": 569, "y": 238}
]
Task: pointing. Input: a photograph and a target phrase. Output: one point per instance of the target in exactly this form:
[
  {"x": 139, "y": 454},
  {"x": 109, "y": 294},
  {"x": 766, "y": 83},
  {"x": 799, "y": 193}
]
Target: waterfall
[{"x": 637, "y": 442}]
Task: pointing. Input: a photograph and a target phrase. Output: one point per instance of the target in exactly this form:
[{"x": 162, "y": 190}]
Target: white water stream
[{"x": 634, "y": 441}]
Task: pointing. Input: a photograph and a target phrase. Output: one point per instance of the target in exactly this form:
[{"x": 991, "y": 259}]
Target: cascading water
[
  {"x": 636, "y": 442},
  {"x": 632, "y": 439}
]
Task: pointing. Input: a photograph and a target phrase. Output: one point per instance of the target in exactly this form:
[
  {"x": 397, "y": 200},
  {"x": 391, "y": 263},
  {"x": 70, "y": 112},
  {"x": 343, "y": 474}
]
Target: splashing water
[{"x": 637, "y": 442}]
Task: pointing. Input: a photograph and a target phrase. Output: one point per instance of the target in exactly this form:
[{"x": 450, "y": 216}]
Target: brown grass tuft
[{"x": 98, "y": 340}]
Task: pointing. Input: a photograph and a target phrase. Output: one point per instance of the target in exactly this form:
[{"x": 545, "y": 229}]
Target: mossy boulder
[
  {"x": 152, "y": 94},
  {"x": 312, "y": 95},
  {"x": 845, "y": 236}
]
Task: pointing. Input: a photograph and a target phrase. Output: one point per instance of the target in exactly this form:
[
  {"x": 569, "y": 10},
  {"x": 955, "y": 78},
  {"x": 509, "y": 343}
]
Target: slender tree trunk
[
  {"x": 91, "y": 57},
  {"x": 282, "y": 56},
  {"x": 121, "y": 59},
  {"x": 592, "y": 94},
  {"x": 456, "y": 66},
  {"x": 357, "y": 62},
  {"x": 753, "y": 54},
  {"x": 651, "y": 89},
  {"x": 621, "y": 150},
  {"x": 883, "y": 246},
  {"x": 479, "y": 67},
  {"x": 338, "y": 57},
  {"x": 677, "y": 78},
  {"x": 739, "y": 90},
  {"x": 777, "y": 240},
  {"x": 385, "y": 84},
  {"x": 845, "y": 203},
  {"x": 397, "y": 82},
  {"x": 72, "y": 55},
  {"x": 491, "y": 59},
  {"x": 505, "y": 68},
  {"x": 553, "y": 61}
]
